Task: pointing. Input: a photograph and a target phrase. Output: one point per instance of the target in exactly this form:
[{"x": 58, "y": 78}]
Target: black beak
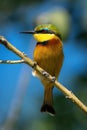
[{"x": 28, "y": 32}]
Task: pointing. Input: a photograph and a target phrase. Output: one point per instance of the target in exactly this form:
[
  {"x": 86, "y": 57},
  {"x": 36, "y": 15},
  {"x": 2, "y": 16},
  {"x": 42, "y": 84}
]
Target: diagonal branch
[{"x": 45, "y": 75}]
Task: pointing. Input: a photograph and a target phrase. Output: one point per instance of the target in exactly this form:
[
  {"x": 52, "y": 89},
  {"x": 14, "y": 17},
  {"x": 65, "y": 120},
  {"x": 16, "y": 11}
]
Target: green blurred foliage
[
  {"x": 60, "y": 17},
  {"x": 8, "y": 5}
]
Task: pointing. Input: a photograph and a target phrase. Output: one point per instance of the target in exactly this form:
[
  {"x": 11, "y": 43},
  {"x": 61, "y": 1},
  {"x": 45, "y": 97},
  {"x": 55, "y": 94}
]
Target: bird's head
[{"x": 45, "y": 32}]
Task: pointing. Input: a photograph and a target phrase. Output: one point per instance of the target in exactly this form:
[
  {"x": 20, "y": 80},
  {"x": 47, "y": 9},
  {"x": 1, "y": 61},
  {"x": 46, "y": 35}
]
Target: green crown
[{"x": 48, "y": 27}]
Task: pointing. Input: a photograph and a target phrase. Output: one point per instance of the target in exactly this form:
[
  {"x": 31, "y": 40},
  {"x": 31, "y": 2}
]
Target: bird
[{"x": 48, "y": 54}]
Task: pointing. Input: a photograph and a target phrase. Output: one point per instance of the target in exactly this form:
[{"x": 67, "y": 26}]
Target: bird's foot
[
  {"x": 45, "y": 74},
  {"x": 34, "y": 65},
  {"x": 53, "y": 79}
]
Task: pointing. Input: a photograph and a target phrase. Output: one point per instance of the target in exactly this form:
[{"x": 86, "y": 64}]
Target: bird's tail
[{"x": 48, "y": 101}]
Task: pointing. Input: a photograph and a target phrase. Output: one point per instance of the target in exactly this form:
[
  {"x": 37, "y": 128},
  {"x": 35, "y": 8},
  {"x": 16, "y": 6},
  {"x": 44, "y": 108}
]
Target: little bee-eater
[{"x": 48, "y": 54}]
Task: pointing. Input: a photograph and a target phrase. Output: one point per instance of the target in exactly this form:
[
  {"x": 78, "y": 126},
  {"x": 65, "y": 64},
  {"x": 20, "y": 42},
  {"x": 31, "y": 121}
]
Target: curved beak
[{"x": 28, "y": 32}]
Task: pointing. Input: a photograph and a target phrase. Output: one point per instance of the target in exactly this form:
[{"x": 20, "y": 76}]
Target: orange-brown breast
[{"x": 50, "y": 56}]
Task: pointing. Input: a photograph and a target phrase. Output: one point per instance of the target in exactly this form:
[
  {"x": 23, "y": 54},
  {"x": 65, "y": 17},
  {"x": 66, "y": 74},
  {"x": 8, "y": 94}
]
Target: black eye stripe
[
  {"x": 43, "y": 31},
  {"x": 58, "y": 35}
]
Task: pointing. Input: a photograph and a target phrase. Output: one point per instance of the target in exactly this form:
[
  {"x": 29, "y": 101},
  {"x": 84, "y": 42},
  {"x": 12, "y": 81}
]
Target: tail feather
[
  {"x": 48, "y": 101},
  {"x": 48, "y": 108}
]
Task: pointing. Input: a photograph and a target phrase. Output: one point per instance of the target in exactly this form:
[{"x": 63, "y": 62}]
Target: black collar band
[{"x": 42, "y": 43}]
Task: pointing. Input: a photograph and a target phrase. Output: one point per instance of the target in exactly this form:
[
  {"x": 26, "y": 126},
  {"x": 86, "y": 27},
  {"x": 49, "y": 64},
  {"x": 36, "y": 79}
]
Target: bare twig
[
  {"x": 47, "y": 76},
  {"x": 11, "y": 61}
]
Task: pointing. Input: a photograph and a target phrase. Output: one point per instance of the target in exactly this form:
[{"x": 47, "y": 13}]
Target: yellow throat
[{"x": 44, "y": 37}]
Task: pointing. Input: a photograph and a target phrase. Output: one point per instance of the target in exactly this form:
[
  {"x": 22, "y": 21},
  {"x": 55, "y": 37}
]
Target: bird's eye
[
  {"x": 45, "y": 31},
  {"x": 42, "y": 31}
]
